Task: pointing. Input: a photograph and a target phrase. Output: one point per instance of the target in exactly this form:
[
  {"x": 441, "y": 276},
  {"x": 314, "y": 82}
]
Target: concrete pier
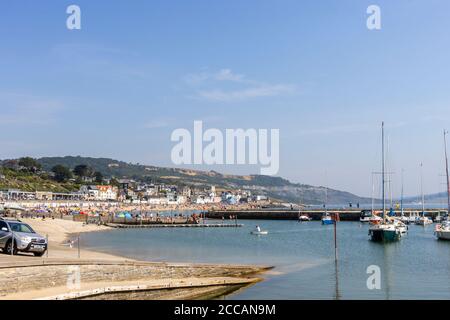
[
  {"x": 314, "y": 214},
  {"x": 190, "y": 225}
]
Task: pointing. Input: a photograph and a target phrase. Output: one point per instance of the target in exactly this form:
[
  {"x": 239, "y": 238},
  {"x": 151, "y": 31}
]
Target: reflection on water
[
  {"x": 303, "y": 256},
  {"x": 337, "y": 295}
]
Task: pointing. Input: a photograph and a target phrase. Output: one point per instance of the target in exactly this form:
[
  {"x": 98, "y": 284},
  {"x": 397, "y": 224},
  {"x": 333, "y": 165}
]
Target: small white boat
[
  {"x": 438, "y": 218},
  {"x": 442, "y": 231},
  {"x": 365, "y": 215},
  {"x": 412, "y": 218},
  {"x": 404, "y": 219},
  {"x": 327, "y": 219},
  {"x": 304, "y": 217},
  {"x": 423, "y": 221},
  {"x": 258, "y": 231},
  {"x": 262, "y": 232}
]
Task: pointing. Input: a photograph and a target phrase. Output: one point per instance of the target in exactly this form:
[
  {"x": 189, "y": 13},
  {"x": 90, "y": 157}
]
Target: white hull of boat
[
  {"x": 424, "y": 222},
  {"x": 403, "y": 229},
  {"x": 443, "y": 234},
  {"x": 259, "y": 233}
]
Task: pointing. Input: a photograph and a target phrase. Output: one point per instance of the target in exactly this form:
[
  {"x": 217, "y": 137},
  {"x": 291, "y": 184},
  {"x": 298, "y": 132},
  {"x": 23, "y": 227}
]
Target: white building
[{"x": 99, "y": 192}]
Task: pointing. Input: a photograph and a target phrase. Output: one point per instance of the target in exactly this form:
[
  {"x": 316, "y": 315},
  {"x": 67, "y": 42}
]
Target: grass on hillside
[{"x": 26, "y": 181}]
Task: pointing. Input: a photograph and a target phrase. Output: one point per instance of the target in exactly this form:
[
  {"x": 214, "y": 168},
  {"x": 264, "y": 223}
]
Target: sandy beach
[{"x": 59, "y": 231}]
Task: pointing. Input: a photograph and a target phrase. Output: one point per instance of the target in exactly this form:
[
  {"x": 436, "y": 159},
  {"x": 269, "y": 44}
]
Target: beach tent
[{"x": 127, "y": 215}]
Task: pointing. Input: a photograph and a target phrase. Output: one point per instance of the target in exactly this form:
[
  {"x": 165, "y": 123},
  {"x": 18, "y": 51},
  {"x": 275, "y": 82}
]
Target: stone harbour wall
[{"x": 21, "y": 279}]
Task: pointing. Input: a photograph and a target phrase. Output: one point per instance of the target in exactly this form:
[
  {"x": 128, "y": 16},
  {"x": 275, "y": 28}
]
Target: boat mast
[
  {"x": 326, "y": 195},
  {"x": 401, "y": 199},
  {"x": 387, "y": 166},
  {"x": 421, "y": 189},
  {"x": 382, "y": 172},
  {"x": 373, "y": 193},
  {"x": 446, "y": 171}
]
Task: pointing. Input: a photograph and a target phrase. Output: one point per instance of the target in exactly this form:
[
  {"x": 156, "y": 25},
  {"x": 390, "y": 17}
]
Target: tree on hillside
[
  {"x": 98, "y": 177},
  {"x": 11, "y": 164},
  {"x": 83, "y": 170},
  {"x": 30, "y": 164},
  {"x": 114, "y": 182},
  {"x": 62, "y": 173}
]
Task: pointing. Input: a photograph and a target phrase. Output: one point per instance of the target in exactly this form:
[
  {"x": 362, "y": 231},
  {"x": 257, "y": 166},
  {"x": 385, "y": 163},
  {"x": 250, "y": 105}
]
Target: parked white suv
[{"x": 17, "y": 236}]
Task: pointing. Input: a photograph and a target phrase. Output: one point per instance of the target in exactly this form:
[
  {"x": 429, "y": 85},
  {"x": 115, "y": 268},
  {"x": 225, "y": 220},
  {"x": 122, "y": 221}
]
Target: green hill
[{"x": 275, "y": 187}]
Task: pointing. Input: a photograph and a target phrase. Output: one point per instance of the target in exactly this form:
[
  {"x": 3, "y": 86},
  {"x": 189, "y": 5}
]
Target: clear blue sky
[{"x": 139, "y": 69}]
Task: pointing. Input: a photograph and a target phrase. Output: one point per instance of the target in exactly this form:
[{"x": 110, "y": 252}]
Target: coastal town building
[
  {"x": 99, "y": 192},
  {"x": 107, "y": 192},
  {"x": 14, "y": 194}
]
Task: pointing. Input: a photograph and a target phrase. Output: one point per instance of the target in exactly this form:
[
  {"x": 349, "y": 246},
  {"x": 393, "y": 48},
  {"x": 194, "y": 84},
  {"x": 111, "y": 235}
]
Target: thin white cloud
[
  {"x": 247, "y": 93},
  {"x": 228, "y": 75},
  {"x": 221, "y": 75},
  {"x": 226, "y": 85}
]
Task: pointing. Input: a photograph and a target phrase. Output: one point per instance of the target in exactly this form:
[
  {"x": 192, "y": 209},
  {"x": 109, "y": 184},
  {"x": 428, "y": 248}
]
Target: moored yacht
[
  {"x": 327, "y": 219},
  {"x": 442, "y": 230},
  {"x": 388, "y": 229},
  {"x": 384, "y": 232},
  {"x": 365, "y": 216},
  {"x": 304, "y": 217},
  {"x": 423, "y": 221},
  {"x": 404, "y": 219},
  {"x": 412, "y": 218}
]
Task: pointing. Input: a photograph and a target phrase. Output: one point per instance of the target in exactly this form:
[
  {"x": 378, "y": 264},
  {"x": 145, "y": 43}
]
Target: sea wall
[
  {"x": 347, "y": 215},
  {"x": 344, "y": 214},
  {"x": 18, "y": 279}
]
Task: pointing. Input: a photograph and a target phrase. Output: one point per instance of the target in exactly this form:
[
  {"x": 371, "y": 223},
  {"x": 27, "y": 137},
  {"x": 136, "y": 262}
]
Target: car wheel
[
  {"x": 8, "y": 248},
  {"x": 38, "y": 254}
]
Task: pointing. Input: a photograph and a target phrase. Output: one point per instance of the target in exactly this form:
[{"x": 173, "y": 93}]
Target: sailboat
[
  {"x": 370, "y": 215},
  {"x": 326, "y": 218},
  {"x": 442, "y": 230},
  {"x": 403, "y": 218},
  {"x": 388, "y": 229},
  {"x": 423, "y": 220},
  {"x": 302, "y": 216}
]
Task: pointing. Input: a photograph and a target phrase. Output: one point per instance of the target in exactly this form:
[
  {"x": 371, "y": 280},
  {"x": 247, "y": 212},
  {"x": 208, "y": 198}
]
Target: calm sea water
[{"x": 416, "y": 267}]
